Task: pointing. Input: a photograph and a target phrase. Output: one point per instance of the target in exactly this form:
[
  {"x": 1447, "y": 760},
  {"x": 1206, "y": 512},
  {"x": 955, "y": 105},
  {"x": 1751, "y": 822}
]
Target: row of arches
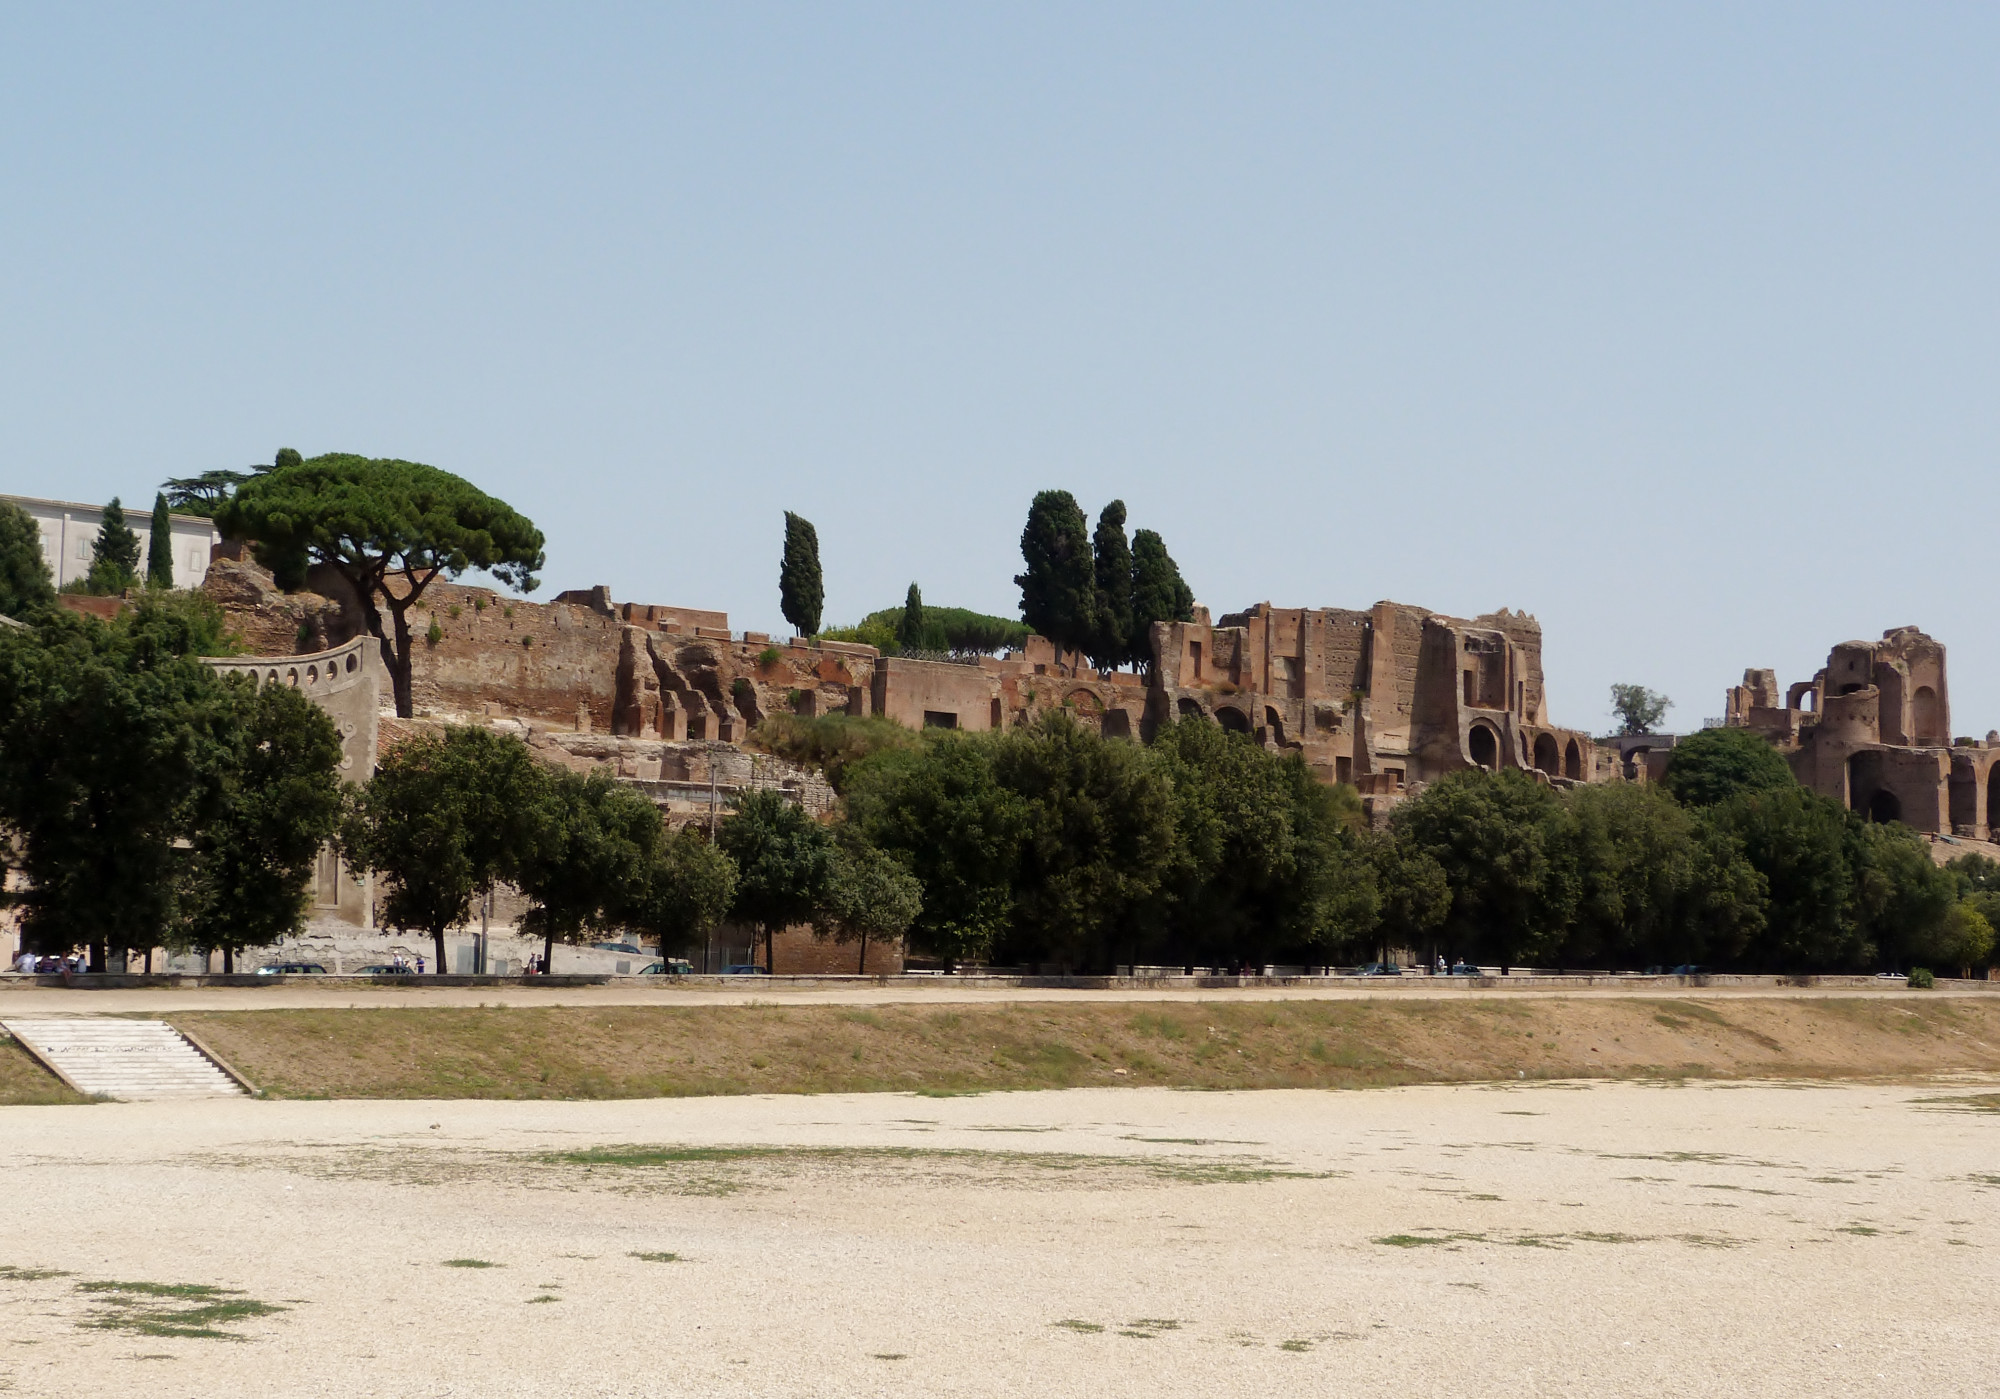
[{"x": 1549, "y": 757}]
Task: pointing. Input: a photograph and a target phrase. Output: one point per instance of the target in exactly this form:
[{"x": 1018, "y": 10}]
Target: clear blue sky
[{"x": 1673, "y": 325}]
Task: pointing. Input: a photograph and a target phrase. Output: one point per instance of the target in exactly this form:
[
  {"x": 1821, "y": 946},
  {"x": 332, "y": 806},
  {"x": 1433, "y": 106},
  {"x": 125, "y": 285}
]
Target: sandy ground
[
  {"x": 1609, "y": 1239},
  {"x": 20, "y": 998}
]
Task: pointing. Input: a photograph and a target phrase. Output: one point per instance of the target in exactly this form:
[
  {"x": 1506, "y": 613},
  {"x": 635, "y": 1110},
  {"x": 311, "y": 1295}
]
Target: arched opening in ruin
[
  {"x": 1275, "y": 722},
  {"x": 1484, "y": 745},
  {"x": 1547, "y": 756},
  {"x": 1851, "y": 689},
  {"x": 1992, "y": 803},
  {"x": 1930, "y": 726},
  {"x": 1233, "y": 719},
  {"x": 1883, "y": 806},
  {"x": 1117, "y": 724},
  {"x": 1190, "y": 709},
  {"x": 1573, "y": 762}
]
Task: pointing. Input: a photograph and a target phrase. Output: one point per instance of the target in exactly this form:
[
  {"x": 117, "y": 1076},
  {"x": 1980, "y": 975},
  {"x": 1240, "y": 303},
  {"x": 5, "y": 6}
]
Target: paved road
[{"x": 20, "y": 999}]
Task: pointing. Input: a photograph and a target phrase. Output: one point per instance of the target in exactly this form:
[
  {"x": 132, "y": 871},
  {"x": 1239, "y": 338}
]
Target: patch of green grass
[
  {"x": 1070, "y": 1323},
  {"x": 655, "y": 1257},
  {"x": 1970, "y": 1102},
  {"x": 532, "y": 1301},
  {"x": 1425, "y": 1240},
  {"x": 9, "y": 1273},
  {"x": 469, "y": 1263},
  {"x": 1866, "y": 1231},
  {"x": 190, "y": 1310},
  {"x": 889, "y": 1355},
  {"x": 1296, "y": 1347}
]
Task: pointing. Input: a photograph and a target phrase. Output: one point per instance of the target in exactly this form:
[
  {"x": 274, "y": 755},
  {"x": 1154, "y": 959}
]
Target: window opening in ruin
[
  {"x": 995, "y": 718},
  {"x": 1194, "y": 656},
  {"x": 940, "y": 719},
  {"x": 1275, "y": 722},
  {"x": 1471, "y": 680},
  {"x": 1930, "y": 729},
  {"x": 1485, "y": 747},
  {"x": 1573, "y": 762},
  {"x": 1883, "y": 806},
  {"x": 1850, "y": 689},
  {"x": 1233, "y": 720},
  {"x": 1189, "y": 709},
  {"x": 1343, "y": 769},
  {"x": 1117, "y": 724},
  {"x": 1545, "y": 754},
  {"x": 1992, "y": 804},
  {"x": 1395, "y": 776}
]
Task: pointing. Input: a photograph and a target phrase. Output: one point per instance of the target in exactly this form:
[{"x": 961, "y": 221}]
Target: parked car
[
  {"x": 615, "y": 946},
  {"x": 673, "y": 966},
  {"x": 1379, "y": 969},
  {"x": 744, "y": 969},
  {"x": 291, "y": 969},
  {"x": 1464, "y": 969},
  {"x": 385, "y": 969}
]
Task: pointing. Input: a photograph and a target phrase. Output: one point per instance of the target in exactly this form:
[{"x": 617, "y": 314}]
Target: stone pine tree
[
  {"x": 1059, "y": 588},
  {"x": 114, "y": 558},
  {"x": 25, "y": 585},
  {"x": 910, "y": 627},
  {"x": 389, "y": 528},
  {"x": 160, "y": 547},
  {"x": 801, "y": 589},
  {"x": 1111, "y": 645},
  {"x": 1159, "y": 594}
]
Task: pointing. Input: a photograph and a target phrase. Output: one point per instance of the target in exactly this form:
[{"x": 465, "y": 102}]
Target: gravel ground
[{"x": 1554, "y": 1239}]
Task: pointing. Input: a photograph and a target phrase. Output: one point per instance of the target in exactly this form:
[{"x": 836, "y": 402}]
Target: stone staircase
[{"x": 130, "y": 1060}]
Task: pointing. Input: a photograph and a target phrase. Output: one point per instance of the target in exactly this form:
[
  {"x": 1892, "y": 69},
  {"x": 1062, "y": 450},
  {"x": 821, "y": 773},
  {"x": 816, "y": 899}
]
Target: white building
[{"x": 69, "y": 531}]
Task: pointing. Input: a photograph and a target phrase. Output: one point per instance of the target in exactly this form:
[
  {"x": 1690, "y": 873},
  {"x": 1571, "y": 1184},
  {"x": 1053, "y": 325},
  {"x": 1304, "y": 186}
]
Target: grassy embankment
[{"x": 643, "y": 1051}]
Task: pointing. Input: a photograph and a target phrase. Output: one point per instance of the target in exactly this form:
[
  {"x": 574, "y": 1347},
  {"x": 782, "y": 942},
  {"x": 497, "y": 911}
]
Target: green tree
[
  {"x": 1099, "y": 839},
  {"x": 687, "y": 892},
  {"x": 1659, "y": 887},
  {"x": 1414, "y": 895},
  {"x": 1111, "y": 642},
  {"x": 1506, "y": 845},
  {"x": 390, "y": 528},
  {"x": 106, "y": 732},
  {"x": 586, "y": 856},
  {"x": 1266, "y": 858},
  {"x": 938, "y": 807},
  {"x": 160, "y": 547},
  {"x": 268, "y": 802},
  {"x": 783, "y": 861},
  {"x": 869, "y": 895},
  {"x": 833, "y": 743},
  {"x": 206, "y": 494},
  {"x": 1638, "y": 708},
  {"x": 114, "y": 557},
  {"x": 25, "y": 585},
  {"x": 955, "y": 629},
  {"x": 801, "y": 589},
  {"x": 1715, "y": 764},
  {"x": 1902, "y": 897},
  {"x": 1159, "y": 594},
  {"x": 1059, "y": 587},
  {"x": 442, "y": 820},
  {"x": 1800, "y": 843},
  {"x": 912, "y": 628}
]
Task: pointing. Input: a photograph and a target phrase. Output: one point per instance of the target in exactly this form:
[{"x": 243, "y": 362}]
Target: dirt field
[
  {"x": 1529, "y": 1239},
  {"x": 666, "y": 1052}
]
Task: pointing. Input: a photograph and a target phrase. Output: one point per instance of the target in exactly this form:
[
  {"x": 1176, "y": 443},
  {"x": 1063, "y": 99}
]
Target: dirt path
[{"x": 1555, "y": 1239}]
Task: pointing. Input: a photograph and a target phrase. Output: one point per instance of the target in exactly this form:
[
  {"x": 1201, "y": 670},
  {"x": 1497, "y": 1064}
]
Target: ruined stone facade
[
  {"x": 1384, "y": 699},
  {"x": 1872, "y": 730},
  {"x": 348, "y": 683}
]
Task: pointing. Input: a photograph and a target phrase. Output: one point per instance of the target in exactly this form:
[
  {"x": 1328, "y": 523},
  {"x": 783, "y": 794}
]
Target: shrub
[
  {"x": 1921, "y": 979},
  {"x": 769, "y": 656},
  {"x": 435, "y": 634}
]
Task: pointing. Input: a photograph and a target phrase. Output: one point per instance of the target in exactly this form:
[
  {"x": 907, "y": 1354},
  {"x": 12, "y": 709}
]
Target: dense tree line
[{"x": 150, "y": 802}]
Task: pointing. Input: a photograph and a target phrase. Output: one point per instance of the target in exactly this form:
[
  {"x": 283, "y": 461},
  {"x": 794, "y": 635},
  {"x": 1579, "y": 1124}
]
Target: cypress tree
[
  {"x": 801, "y": 590},
  {"x": 160, "y": 548},
  {"x": 114, "y": 558},
  {"x": 910, "y": 629},
  {"x": 1159, "y": 594},
  {"x": 1059, "y": 588},
  {"x": 1111, "y": 646}
]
